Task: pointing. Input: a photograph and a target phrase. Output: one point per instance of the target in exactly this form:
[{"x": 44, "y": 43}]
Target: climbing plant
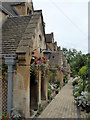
[{"x": 4, "y": 69}]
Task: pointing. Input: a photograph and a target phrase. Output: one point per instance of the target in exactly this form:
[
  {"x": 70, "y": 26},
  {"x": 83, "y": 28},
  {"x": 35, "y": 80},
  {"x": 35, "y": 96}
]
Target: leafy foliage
[
  {"x": 5, "y": 116},
  {"x": 83, "y": 72},
  {"x": 75, "y": 81},
  {"x": 76, "y": 59},
  {"x": 15, "y": 115},
  {"x": 80, "y": 91},
  {"x": 4, "y": 69}
]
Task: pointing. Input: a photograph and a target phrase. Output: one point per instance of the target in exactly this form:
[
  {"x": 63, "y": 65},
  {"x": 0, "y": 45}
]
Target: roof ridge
[
  {"x": 19, "y": 16},
  {"x": 38, "y": 10}
]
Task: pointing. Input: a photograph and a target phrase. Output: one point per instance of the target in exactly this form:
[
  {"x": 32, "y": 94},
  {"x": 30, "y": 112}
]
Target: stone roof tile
[{"x": 17, "y": 33}]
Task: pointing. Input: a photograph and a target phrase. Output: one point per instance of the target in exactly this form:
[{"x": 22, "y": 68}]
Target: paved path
[{"x": 62, "y": 106}]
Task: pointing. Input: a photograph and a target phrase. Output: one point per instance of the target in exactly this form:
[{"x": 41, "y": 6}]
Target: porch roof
[
  {"x": 12, "y": 32},
  {"x": 17, "y": 33}
]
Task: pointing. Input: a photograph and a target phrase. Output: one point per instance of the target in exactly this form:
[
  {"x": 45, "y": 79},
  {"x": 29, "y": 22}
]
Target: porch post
[
  {"x": 39, "y": 87},
  {"x": 10, "y": 62}
]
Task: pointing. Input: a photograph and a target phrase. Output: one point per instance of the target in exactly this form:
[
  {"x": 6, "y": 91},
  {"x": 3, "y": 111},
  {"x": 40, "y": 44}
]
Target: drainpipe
[{"x": 9, "y": 61}]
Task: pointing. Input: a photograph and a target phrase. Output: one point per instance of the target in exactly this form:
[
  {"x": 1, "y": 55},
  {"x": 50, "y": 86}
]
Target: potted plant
[
  {"x": 5, "y": 116},
  {"x": 15, "y": 115}
]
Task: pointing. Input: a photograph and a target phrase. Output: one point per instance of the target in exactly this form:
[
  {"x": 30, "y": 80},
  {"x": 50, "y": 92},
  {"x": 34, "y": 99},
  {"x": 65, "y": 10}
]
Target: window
[
  {"x": 29, "y": 11},
  {"x": 40, "y": 37},
  {"x": 53, "y": 57}
]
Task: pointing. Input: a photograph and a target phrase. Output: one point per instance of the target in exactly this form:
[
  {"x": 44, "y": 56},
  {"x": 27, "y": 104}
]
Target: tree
[{"x": 75, "y": 59}]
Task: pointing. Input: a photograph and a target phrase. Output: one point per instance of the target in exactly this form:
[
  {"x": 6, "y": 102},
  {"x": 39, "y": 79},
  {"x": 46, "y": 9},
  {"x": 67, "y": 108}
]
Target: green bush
[
  {"x": 75, "y": 81},
  {"x": 4, "y": 69},
  {"x": 58, "y": 83},
  {"x": 49, "y": 93},
  {"x": 83, "y": 72},
  {"x": 82, "y": 99},
  {"x": 15, "y": 115},
  {"x": 76, "y": 94},
  {"x": 65, "y": 79},
  {"x": 80, "y": 92}
]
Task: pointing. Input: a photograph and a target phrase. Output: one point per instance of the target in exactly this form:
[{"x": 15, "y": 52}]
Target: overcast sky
[{"x": 68, "y": 19}]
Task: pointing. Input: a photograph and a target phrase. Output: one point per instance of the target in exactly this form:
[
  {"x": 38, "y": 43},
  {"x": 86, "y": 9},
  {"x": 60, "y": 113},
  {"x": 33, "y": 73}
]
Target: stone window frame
[{"x": 29, "y": 11}]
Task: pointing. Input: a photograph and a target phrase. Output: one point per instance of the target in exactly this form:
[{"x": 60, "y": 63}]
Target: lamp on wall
[{"x": 47, "y": 53}]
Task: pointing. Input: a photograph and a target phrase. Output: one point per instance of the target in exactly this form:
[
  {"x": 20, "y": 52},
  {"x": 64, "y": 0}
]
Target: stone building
[
  {"x": 23, "y": 43},
  {"x": 22, "y": 39},
  {"x": 66, "y": 67},
  {"x": 22, "y": 32},
  {"x": 12, "y": 9},
  {"x": 50, "y": 44},
  {"x": 55, "y": 57}
]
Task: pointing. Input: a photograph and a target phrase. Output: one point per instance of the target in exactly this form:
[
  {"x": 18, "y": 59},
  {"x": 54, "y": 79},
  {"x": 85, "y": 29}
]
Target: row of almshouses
[
  {"x": 20, "y": 37},
  {"x": 24, "y": 42}
]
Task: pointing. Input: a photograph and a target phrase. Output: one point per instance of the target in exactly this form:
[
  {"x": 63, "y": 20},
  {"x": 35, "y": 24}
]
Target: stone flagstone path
[{"x": 62, "y": 106}]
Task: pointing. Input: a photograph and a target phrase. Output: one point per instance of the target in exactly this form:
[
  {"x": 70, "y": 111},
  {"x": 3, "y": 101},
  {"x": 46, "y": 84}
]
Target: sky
[{"x": 68, "y": 19}]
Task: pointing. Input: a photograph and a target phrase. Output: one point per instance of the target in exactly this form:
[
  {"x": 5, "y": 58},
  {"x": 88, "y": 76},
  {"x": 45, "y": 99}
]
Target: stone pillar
[
  {"x": 0, "y": 95},
  {"x": 58, "y": 75},
  {"x": 45, "y": 86},
  {"x": 10, "y": 62},
  {"x": 21, "y": 90},
  {"x": 21, "y": 85},
  {"x": 1, "y": 62},
  {"x": 39, "y": 86},
  {"x": 61, "y": 78},
  {"x": 46, "y": 81},
  {"x": 0, "y": 86}
]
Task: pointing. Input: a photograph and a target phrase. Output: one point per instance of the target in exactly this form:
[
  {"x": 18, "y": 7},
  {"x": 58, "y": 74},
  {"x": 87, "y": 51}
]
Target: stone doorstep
[{"x": 43, "y": 104}]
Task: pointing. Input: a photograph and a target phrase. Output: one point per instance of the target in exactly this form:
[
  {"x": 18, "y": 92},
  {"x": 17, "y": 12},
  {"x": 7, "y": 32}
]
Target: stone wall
[
  {"x": 58, "y": 75},
  {"x": 26, "y": 9},
  {"x": 51, "y": 46},
  {"x": 39, "y": 39},
  {"x": 21, "y": 80},
  {"x": 21, "y": 10},
  {"x": 0, "y": 95},
  {"x": 61, "y": 79},
  {"x": 55, "y": 59},
  {"x": 21, "y": 86},
  {"x": 2, "y": 17}
]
